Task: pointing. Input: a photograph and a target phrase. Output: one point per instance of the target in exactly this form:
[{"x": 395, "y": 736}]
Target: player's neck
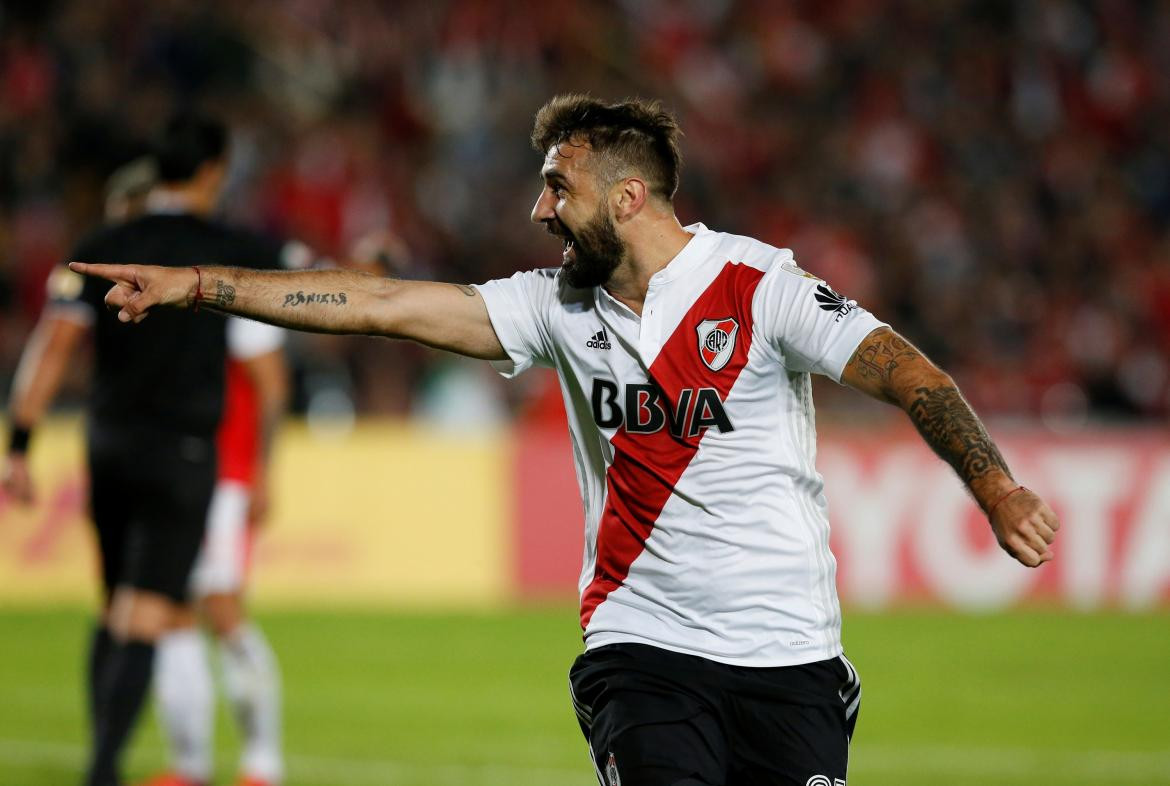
[{"x": 651, "y": 248}]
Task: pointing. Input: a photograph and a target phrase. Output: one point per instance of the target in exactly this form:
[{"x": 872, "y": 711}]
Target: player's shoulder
[
  {"x": 768, "y": 258},
  {"x": 94, "y": 243},
  {"x": 232, "y": 233},
  {"x": 782, "y": 279},
  {"x": 127, "y": 237},
  {"x": 246, "y": 247},
  {"x": 778, "y": 264},
  {"x": 551, "y": 285}
]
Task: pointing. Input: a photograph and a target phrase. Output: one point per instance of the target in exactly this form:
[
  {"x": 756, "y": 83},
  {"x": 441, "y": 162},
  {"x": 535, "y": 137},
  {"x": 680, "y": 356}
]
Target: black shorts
[
  {"x": 149, "y": 494},
  {"x": 654, "y": 717}
]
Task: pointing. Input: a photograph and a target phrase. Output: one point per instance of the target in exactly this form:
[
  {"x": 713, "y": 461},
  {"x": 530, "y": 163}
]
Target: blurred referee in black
[{"x": 155, "y": 402}]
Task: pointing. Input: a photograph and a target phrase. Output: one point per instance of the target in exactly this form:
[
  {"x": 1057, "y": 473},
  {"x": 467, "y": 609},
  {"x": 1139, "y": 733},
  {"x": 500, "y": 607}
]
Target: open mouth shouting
[
  {"x": 591, "y": 254},
  {"x": 568, "y": 241}
]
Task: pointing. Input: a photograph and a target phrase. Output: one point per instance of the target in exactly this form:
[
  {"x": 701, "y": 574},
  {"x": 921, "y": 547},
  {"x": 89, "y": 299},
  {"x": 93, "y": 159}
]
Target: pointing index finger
[{"x": 114, "y": 273}]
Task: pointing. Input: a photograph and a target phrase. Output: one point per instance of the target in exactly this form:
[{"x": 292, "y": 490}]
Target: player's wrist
[
  {"x": 195, "y": 292},
  {"x": 1004, "y": 498},
  {"x": 19, "y": 438},
  {"x": 991, "y": 489}
]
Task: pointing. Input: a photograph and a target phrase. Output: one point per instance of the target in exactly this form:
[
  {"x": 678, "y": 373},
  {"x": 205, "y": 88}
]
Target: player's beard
[{"x": 597, "y": 251}]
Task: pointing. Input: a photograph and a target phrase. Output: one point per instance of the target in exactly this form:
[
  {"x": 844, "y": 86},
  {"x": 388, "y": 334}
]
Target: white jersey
[{"x": 693, "y": 432}]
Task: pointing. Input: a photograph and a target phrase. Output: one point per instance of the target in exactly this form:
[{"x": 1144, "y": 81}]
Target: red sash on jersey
[{"x": 646, "y": 467}]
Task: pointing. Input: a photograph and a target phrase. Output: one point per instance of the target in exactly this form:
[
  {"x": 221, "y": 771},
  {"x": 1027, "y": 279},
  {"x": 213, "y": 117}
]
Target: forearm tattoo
[
  {"x": 948, "y": 424},
  {"x": 888, "y": 366},
  {"x": 225, "y": 294},
  {"x": 465, "y": 289},
  {"x": 302, "y": 298},
  {"x": 880, "y": 356}
]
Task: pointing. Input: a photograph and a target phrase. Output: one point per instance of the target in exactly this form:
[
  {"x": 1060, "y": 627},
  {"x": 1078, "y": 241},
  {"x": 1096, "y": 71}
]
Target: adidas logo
[
  {"x": 599, "y": 341},
  {"x": 829, "y": 300}
]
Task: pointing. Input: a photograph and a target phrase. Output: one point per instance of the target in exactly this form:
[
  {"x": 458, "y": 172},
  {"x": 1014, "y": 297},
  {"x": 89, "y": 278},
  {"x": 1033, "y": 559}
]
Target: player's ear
[{"x": 630, "y": 198}]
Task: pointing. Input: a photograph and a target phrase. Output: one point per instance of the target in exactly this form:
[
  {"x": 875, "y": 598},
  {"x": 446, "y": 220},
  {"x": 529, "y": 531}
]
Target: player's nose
[{"x": 543, "y": 211}]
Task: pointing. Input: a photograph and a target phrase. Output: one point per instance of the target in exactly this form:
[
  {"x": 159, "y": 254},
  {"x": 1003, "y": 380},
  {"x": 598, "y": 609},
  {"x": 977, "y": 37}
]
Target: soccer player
[
  {"x": 256, "y": 398},
  {"x": 712, "y": 629},
  {"x": 155, "y": 403}
]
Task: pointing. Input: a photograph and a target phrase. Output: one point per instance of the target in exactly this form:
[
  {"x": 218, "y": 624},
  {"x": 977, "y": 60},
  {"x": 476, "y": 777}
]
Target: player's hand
[
  {"x": 1025, "y": 527},
  {"x": 17, "y": 480},
  {"x": 139, "y": 288},
  {"x": 259, "y": 503}
]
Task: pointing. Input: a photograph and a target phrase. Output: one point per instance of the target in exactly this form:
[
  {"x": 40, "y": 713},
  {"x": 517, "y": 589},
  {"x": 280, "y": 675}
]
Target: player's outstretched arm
[
  {"x": 446, "y": 316},
  {"x": 889, "y": 368}
]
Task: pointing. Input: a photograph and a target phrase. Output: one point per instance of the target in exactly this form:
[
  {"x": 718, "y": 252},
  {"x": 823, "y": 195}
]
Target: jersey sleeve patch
[
  {"x": 796, "y": 270},
  {"x": 811, "y": 326},
  {"x": 838, "y": 305}
]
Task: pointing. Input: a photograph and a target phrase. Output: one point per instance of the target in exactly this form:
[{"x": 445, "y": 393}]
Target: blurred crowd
[{"x": 992, "y": 177}]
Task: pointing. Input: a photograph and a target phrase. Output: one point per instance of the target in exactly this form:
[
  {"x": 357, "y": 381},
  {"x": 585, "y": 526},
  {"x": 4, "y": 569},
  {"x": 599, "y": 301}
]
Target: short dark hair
[
  {"x": 635, "y": 134},
  {"x": 188, "y": 141}
]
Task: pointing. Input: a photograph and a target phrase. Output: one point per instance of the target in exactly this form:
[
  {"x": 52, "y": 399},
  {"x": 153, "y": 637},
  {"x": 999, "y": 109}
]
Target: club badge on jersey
[{"x": 717, "y": 341}]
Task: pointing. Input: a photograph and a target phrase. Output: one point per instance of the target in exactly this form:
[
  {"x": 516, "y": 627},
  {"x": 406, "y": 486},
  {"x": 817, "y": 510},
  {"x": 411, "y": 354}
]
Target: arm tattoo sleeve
[
  {"x": 888, "y": 367},
  {"x": 879, "y": 357},
  {"x": 953, "y": 431}
]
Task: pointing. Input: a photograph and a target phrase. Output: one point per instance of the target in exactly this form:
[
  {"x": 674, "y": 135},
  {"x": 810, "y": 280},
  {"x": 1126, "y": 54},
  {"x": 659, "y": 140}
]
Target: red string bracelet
[
  {"x": 198, "y": 289},
  {"x": 991, "y": 510}
]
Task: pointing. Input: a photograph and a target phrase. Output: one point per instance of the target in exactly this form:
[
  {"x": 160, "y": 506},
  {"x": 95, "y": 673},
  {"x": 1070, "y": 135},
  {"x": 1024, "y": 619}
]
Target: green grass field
[{"x": 405, "y": 699}]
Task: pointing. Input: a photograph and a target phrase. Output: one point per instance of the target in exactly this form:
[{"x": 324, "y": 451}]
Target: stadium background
[{"x": 991, "y": 177}]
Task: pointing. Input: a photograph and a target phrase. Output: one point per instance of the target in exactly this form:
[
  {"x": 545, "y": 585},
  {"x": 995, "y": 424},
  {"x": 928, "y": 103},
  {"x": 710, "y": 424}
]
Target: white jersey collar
[{"x": 695, "y": 251}]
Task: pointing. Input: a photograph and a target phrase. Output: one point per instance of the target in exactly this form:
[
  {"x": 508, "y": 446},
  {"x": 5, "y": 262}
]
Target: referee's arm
[
  {"x": 889, "y": 368},
  {"x": 42, "y": 366},
  {"x": 453, "y": 317}
]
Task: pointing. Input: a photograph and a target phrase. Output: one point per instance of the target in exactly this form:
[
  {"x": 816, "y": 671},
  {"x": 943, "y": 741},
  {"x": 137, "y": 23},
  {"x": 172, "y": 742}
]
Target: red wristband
[
  {"x": 991, "y": 510},
  {"x": 198, "y": 289}
]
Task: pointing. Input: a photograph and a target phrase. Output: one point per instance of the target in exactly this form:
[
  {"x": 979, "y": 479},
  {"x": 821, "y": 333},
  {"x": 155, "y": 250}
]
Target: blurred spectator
[{"x": 993, "y": 176}]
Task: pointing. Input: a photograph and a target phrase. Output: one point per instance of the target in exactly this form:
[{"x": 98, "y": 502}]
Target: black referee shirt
[{"x": 167, "y": 374}]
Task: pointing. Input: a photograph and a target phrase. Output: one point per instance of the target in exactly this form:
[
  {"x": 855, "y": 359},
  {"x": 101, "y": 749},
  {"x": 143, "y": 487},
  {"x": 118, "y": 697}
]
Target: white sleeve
[
  {"x": 809, "y": 325},
  {"x": 248, "y": 339},
  {"x": 519, "y": 308}
]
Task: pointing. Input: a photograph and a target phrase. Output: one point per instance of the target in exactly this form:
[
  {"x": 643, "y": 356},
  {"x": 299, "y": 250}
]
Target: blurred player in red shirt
[{"x": 256, "y": 398}]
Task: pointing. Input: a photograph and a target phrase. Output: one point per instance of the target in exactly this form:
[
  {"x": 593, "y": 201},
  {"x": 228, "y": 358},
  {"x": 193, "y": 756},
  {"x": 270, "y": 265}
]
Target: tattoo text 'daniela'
[{"x": 301, "y": 298}]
